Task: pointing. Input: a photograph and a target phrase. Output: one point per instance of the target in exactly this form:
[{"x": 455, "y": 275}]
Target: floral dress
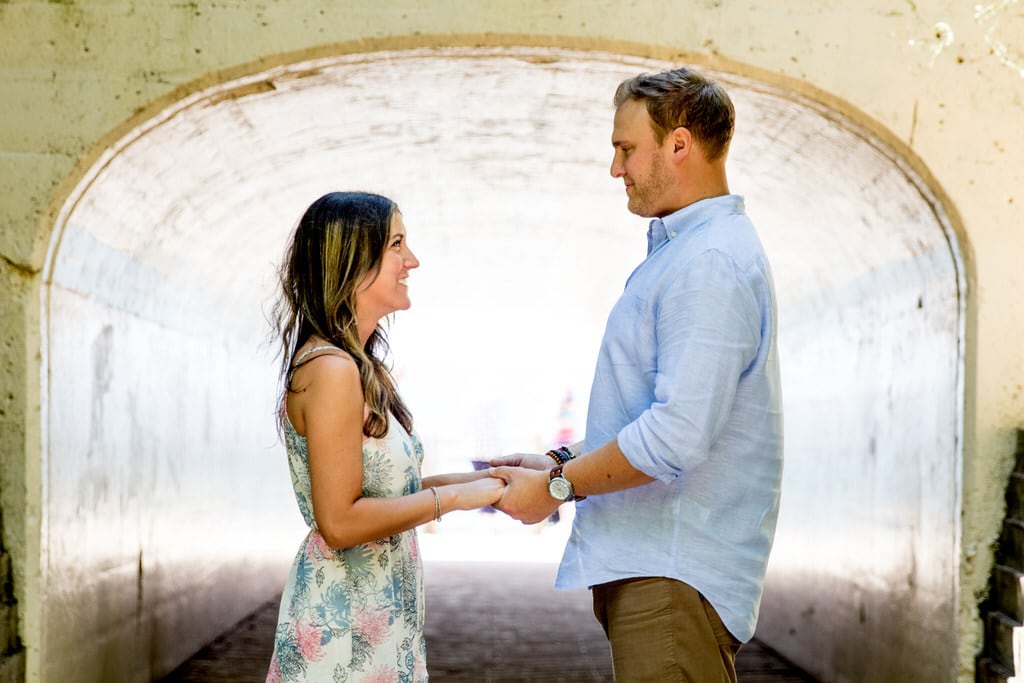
[{"x": 356, "y": 614}]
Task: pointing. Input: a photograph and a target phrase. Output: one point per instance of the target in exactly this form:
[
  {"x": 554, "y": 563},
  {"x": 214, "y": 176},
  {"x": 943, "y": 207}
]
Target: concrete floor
[{"x": 486, "y": 623}]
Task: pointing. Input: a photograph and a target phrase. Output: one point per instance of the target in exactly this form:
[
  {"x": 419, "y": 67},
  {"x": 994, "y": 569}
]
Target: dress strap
[{"x": 305, "y": 353}]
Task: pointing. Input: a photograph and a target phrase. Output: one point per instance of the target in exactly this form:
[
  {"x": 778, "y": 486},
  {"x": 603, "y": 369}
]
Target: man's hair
[{"x": 684, "y": 98}]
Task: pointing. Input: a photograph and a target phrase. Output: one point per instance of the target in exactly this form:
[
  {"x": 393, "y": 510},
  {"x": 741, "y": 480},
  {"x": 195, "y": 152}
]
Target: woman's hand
[
  {"x": 478, "y": 493},
  {"x": 526, "y": 498}
]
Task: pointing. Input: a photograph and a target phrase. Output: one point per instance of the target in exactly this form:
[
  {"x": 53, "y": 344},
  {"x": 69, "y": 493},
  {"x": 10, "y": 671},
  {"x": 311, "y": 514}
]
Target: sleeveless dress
[{"x": 354, "y": 615}]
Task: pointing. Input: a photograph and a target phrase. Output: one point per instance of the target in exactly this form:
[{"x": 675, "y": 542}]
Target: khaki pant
[{"x": 662, "y": 630}]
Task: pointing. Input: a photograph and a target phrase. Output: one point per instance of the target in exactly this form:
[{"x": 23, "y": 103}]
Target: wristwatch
[{"x": 559, "y": 487}]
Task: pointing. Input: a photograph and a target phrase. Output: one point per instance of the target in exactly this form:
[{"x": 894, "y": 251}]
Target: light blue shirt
[{"x": 687, "y": 379}]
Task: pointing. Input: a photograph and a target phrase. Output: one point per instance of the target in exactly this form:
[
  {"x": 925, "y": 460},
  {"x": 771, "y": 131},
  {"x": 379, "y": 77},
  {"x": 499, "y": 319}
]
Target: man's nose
[{"x": 616, "y": 167}]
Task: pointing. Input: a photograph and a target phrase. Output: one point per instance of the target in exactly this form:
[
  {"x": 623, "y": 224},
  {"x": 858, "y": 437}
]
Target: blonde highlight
[{"x": 337, "y": 244}]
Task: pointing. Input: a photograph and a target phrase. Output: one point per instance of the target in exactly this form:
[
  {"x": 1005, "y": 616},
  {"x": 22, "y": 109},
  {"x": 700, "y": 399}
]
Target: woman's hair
[
  {"x": 684, "y": 98},
  {"x": 337, "y": 245}
]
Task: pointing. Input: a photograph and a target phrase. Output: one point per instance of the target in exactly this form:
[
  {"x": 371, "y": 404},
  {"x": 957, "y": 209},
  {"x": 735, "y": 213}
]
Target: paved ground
[{"x": 486, "y": 623}]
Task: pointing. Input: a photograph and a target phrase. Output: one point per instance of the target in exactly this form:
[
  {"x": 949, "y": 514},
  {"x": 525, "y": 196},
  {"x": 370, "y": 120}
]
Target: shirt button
[{"x": 672, "y": 234}]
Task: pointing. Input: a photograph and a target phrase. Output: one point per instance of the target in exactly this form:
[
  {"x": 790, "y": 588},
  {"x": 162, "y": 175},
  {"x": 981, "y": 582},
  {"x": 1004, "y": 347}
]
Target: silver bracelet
[{"x": 437, "y": 504}]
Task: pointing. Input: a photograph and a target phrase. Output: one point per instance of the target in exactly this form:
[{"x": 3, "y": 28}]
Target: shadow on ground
[{"x": 486, "y": 623}]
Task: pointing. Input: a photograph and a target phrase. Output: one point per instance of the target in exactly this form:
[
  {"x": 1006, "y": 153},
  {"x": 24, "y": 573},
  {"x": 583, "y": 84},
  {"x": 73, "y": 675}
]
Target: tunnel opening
[{"x": 166, "y": 494}]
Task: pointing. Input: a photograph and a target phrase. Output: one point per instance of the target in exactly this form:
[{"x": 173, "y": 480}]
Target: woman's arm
[
  {"x": 453, "y": 478},
  {"x": 329, "y": 411}
]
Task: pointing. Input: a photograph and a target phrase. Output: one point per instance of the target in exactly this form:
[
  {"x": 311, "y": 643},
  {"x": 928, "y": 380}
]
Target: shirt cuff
[{"x": 633, "y": 446}]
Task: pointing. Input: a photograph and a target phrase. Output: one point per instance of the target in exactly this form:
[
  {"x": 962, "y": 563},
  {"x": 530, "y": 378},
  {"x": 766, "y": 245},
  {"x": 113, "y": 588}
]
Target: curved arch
[
  {"x": 167, "y": 240},
  {"x": 248, "y": 78}
]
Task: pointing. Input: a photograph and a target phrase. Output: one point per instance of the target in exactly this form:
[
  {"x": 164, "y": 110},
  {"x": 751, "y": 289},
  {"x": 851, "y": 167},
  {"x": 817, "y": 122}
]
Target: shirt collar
[{"x": 662, "y": 230}]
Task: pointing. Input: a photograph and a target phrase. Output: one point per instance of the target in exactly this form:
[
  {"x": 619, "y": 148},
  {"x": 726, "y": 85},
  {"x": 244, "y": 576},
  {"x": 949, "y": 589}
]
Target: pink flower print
[
  {"x": 274, "y": 674},
  {"x": 308, "y": 638},
  {"x": 414, "y": 549},
  {"x": 382, "y": 674},
  {"x": 317, "y": 546},
  {"x": 372, "y": 626}
]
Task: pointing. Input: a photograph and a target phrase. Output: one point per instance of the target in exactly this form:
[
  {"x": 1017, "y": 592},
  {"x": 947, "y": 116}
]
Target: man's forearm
[{"x": 603, "y": 470}]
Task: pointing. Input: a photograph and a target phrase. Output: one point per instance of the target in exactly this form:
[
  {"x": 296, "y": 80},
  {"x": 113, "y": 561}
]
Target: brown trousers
[{"x": 662, "y": 630}]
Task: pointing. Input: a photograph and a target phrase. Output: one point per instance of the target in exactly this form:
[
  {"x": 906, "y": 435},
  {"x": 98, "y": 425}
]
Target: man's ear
[{"x": 682, "y": 142}]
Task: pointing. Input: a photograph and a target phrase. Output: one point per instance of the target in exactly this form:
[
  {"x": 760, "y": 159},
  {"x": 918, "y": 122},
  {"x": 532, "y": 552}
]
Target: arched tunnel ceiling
[
  {"x": 163, "y": 260},
  {"x": 493, "y": 154}
]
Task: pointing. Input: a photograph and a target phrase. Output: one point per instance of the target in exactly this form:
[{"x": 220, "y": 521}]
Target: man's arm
[
  {"x": 534, "y": 461},
  {"x": 601, "y": 471},
  {"x": 708, "y": 331}
]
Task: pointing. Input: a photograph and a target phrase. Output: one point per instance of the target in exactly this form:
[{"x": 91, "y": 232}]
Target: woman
[{"x": 352, "y": 608}]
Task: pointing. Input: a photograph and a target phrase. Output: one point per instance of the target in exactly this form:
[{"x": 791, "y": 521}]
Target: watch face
[{"x": 560, "y": 488}]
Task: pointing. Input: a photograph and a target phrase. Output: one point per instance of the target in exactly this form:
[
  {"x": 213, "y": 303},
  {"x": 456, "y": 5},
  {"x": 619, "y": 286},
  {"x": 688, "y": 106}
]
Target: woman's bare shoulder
[
  {"x": 329, "y": 366},
  {"x": 325, "y": 384}
]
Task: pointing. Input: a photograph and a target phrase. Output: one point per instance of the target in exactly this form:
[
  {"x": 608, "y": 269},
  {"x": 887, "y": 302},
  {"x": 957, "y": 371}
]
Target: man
[{"x": 682, "y": 461}]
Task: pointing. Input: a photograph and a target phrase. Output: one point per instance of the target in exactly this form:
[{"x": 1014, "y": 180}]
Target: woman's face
[{"x": 387, "y": 290}]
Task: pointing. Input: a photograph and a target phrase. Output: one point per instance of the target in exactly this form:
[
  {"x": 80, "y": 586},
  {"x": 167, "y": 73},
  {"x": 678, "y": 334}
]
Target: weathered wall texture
[{"x": 929, "y": 78}]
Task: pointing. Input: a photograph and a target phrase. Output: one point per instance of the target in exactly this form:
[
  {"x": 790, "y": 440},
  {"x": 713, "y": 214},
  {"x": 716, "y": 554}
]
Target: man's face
[{"x": 641, "y": 162}]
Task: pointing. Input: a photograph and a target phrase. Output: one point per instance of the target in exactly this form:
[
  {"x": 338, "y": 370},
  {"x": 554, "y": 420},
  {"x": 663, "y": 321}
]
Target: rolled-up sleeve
[{"x": 707, "y": 322}]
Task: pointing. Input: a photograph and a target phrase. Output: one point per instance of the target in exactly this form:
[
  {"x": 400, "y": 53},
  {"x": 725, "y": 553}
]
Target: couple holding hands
[{"x": 676, "y": 484}]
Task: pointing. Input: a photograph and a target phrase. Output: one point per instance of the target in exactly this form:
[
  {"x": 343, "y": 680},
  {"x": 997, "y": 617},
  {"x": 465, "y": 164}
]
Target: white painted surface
[{"x": 160, "y": 470}]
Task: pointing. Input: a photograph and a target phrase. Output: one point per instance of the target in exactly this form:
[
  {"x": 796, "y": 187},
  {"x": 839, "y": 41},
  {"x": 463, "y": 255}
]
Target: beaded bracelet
[
  {"x": 560, "y": 455},
  {"x": 437, "y": 504}
]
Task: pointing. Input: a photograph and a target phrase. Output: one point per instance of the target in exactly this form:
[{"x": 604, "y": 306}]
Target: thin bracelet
[{"x": 437, "y": 504}]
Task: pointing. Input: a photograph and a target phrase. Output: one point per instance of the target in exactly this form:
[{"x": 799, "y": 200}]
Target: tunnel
[{"x": 167, "y": 510}]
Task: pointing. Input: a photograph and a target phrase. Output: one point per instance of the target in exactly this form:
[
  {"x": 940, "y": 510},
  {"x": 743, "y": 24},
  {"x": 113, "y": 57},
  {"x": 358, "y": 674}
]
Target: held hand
[
  {"x": 480, "y": 493},
  {"x": 531, "y": 461},
  {"x": 526, "y": 498}
]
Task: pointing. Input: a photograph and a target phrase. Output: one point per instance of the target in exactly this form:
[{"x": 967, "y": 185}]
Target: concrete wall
[{"x": 84, "y": 75}]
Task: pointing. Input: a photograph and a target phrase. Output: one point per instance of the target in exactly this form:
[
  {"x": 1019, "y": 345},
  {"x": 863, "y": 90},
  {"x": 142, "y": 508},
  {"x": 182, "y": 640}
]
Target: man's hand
[
  {"x": 526, "y": 497},
  {"x": 531, "y": 461}
]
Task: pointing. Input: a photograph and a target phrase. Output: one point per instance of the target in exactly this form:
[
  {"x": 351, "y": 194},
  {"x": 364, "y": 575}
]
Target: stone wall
[
  {"x": 938, "y": 80},
  {"x": 12, "y": 654}
]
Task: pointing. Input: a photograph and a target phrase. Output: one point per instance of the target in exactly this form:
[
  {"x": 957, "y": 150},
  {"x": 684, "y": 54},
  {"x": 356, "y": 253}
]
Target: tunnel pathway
[{"x": 486, "y": 623}]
